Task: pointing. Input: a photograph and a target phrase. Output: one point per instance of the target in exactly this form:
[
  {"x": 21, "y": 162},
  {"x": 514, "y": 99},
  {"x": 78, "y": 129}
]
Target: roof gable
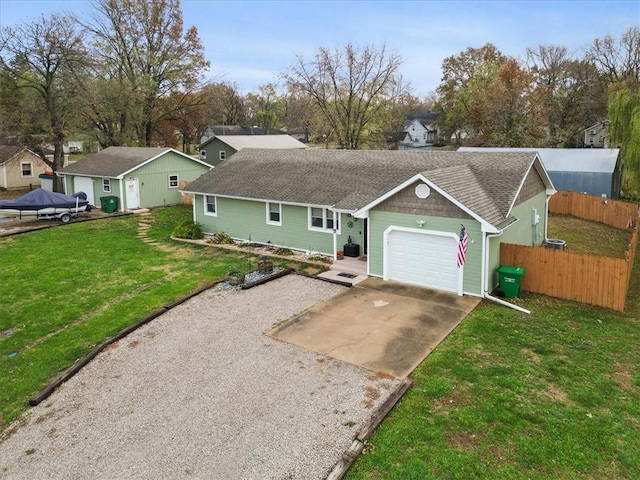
[
  {"x": 7, "y": 152},
  {"x": 355, "y": 180}
]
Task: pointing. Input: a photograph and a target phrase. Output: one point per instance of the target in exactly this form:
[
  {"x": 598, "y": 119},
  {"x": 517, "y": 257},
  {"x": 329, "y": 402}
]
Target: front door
[{"x": 132, "y": 193}]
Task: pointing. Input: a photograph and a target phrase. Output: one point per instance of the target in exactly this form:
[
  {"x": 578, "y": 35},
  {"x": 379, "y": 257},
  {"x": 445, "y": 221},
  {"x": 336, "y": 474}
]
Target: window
[
  {"x": 321, "y": 219},
  {"x": 174, "y": 180},
  {"x": 210, "y": 207},
  {"x": 223, "y": 155},
  {"x": 106, "y": 185},
  {"x": 317, "y": 217},
  {"x": 274, "y": 213},
  {"x": 26, "y": 169},
  {"x": 203, "y": 154}
]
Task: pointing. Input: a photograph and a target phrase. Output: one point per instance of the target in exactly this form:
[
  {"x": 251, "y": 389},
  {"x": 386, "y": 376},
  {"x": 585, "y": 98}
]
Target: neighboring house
[
  {"x": 20, "y": 168},
  {"x": 597, "y": 136},
  {"x": 138, "y": 177},
  {"x": 419, "y": 132},
  {"x": 403, "y": 210},
  {"x": 593, "y": 171},
  {"x": 49, "y": 153},
  {"x": 219, "y": 148},
  {"x": 214, "y": 130}
]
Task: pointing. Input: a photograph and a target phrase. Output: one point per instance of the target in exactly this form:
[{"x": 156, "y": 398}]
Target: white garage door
[
  {"x": 84, "y": 184},
  {"x": 424, "y": 259}
]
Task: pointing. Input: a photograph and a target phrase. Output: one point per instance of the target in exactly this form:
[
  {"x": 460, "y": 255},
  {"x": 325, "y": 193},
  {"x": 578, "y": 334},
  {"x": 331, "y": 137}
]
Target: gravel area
[{"x": 201, "y": 392}]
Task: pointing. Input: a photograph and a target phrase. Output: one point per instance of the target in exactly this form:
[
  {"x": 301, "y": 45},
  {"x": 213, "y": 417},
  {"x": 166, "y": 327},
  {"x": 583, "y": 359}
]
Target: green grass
[
  {"x": 584, "y": 236},
  {"x": 553, "y": 395},
  {"x": 64, "y": 290}
]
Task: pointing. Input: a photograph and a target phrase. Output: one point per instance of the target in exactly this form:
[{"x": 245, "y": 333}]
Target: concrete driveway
[{"x": 379, "y": 325}]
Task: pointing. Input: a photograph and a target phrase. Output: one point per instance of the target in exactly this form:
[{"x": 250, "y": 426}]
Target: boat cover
[{"x": 38, "y": 199}]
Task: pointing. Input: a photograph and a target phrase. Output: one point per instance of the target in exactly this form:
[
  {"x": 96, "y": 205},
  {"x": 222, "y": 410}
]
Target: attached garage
[{"x": 422, "y": 257}]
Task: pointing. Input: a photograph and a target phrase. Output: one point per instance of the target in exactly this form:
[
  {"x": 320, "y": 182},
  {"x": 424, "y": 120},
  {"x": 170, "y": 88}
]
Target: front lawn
[{"x": 66, "y": 289}]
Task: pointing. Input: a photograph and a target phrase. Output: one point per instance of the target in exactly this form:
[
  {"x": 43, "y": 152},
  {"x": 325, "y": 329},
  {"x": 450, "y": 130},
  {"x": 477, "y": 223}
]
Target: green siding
[
  {"x": 380, "y": 221},
  {"x": 247, "y": 220},
  {"x": 519, "y": 233},
  {"x": 213, "y": 150},
  {"x": 154, "y": 179}
]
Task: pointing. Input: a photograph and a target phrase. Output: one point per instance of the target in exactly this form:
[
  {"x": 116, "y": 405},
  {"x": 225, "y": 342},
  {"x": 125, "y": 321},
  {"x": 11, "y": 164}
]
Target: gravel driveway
[{"x": 200, "y": 392}]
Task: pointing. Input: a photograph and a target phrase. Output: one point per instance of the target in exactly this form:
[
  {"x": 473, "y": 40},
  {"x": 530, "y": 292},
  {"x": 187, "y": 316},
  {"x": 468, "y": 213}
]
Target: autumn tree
[
  {"x": 47, "y": 56},
  {"x": 570, "y": 91},
  {"x": 224, "y": 104},
  {"x": 144, "y": 55},
  {"x": 508, "y": 112},
  {"x": 186, "y": 123},
  {"x": 349, "y": 86},
  {"x": 464, "y": 77}
]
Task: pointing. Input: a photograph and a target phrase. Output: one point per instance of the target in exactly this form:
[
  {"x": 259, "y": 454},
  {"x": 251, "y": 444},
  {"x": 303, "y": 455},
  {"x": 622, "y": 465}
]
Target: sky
[{"x": 250, "y": 42}]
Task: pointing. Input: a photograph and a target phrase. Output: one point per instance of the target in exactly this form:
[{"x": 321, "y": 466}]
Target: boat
[{"x": 42, "y": 204}]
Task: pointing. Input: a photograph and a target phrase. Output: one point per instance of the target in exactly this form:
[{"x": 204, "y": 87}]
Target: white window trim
[
  {"x": 106, "y": 185},
  {"x": 272, "y": 222},
  {"x": 177, "y": 180},
  {"x": 215, "y": 202},
  {"x": 203, "y": 154},
  {"x": 326, "y": 213},
  {"x": 22, "y": 175},
  {"x": 222, "y": 155}
]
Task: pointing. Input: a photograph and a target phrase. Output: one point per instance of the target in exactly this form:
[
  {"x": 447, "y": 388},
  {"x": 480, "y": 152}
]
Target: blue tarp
[{"x": 38, "y": 199}]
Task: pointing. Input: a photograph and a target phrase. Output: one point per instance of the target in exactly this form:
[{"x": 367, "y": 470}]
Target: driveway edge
[{"x": 349, "y": 456}]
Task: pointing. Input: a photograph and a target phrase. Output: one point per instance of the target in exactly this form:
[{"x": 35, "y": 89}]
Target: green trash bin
[
  {"x": 510, "y": 280},
  {"x": 109, "y": 204}
]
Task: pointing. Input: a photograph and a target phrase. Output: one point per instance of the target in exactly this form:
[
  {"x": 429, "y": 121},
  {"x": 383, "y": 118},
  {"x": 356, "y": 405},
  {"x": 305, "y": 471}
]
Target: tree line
[{"x": 133, "y": 74}]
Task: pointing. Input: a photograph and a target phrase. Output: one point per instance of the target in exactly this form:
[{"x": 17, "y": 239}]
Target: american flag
[{"x": 462, "y": 246}]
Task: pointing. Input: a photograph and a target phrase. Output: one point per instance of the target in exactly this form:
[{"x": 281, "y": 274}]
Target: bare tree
[
  {"x": 619, "y": 60},
  {"x": 48, "y": 56},
  {"x": 146, "y": 54},
  {"x": 349, "y": 86}
]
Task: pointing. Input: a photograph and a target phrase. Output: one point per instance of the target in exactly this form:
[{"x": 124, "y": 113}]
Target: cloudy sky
[{"x": 250, "y": 42}]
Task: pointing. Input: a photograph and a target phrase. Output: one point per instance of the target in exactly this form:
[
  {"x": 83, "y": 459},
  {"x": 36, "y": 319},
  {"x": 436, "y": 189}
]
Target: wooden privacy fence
[
  {"x": 604, "y": 210},
  {"x": 591, "y": 279}
]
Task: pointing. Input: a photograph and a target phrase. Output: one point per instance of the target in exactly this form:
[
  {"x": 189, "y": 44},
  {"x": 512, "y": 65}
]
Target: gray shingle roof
[
  {"x": 589, "y": 160},
  {"x": 113, "y": 161},
  {"x": 238, "y": 142},
  {"x": 7, "y": 152},
  {"x": 487, "y": 183}
]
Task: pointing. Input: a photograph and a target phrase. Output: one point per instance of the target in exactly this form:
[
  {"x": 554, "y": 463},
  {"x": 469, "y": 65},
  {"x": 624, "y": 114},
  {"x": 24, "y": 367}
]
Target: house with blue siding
[
  {"x": 137, "y": 177},
  {"x": 403, "y": 212}
]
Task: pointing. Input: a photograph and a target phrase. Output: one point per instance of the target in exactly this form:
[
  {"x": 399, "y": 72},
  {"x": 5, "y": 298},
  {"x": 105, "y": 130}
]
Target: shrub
[
  {"x": 188, "y": 229},
  {"x": 221, "y": 239},
  {"x": 283, "y": 251}
]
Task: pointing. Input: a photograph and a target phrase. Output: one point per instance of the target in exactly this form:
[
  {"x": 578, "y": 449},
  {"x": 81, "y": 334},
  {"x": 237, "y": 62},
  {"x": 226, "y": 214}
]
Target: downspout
[
  {"x": 485, "y": 267},
  {"x": 121, "y": 188},
  {"x": 335, "y": 238},
  {"x": 546, "y": 218}
]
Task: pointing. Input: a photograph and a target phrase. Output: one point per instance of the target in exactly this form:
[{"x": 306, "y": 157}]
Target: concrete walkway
[{"x": 379, "y": 325}]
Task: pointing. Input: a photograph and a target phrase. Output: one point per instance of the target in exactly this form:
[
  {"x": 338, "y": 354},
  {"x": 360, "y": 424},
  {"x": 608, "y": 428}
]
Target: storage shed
[{"x": 596, "y": 171}]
